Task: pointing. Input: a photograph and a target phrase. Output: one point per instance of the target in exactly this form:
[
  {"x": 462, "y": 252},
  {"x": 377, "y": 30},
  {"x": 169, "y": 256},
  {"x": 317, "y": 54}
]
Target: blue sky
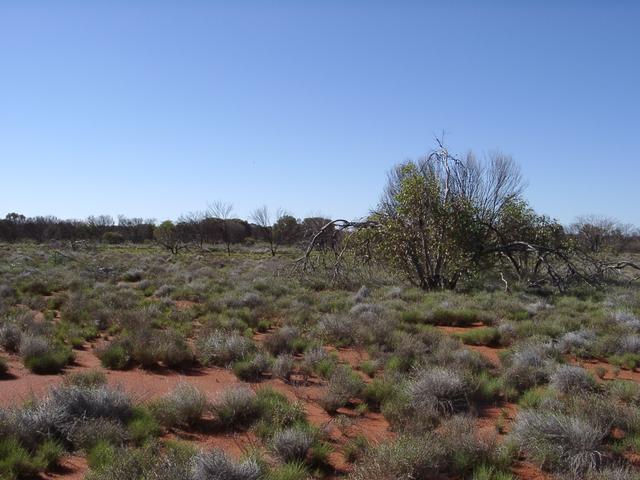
[{"x": 154, "y": 108}]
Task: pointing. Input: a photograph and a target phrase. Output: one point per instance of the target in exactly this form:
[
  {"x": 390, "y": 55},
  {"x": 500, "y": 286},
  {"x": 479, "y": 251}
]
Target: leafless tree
[
  {"x": 262, "y": 218},
  {"x": 222, "y": 210}
]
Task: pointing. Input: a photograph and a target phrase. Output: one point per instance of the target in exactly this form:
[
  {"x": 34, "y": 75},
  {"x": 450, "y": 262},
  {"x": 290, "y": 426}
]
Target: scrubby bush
[
  {"x": 455, "y": 318},
  {"x": 344, "y": 384},
  {"x": 218, "y": 465},
  {"x": 571, "y": 379},
  {"x": 529, "y": 366},
  {"x": 223, "y": 348},
  {"x": 41, "y": 357},
  {"x": 439, "y": 389},
  {"x": 236, "y": 407},
  {"x": 283, "y": 366},
  {"x": 404, "y": 458},
  {"x": 114, "y": 356},
  {"x": 4, "y": 367},
  {"x": 283, "y": 341},
  {"x": 276, "y": 412},
  {"x": 559, "y": 442},
  {"x": 184, "y": 406},
  {"x": 480, "y": 336},
  {"x": 252, "y": 370},
  {"x": 89, "y": 432},
  {"x": 292, "y": 443},
  {"x": 576, "y": 342},
  {"x": 289, "y": 471},
  {"x": 10, "y": 337}
]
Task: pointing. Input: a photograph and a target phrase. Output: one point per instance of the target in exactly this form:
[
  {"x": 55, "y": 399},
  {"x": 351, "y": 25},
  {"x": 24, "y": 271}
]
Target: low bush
[
  {"x": 455, "y": 318},
  {"x": 289, "y": 471},
  {"x": 252, "y": 370},
  {"x": 218, "y": 465},
  {"x": 41, "y": 357},
  {"x": 276, "y": 412},
  {"x": 236, "y": 408},
  {"x": 285, "y": 340},
  {"x": 87, "y": 433},
  {"x": 559, "y": 442},
  {"x": 86, "y": 378},
  {"x": 571, "y": 379},
  {"x": 355, "y": 448},
  {"x": 15, "y": 461},
  {"x": 480, "y": 336},
  {"x": 223, "y": 348},
  {"x": 143, "y": 425},
  {"x": 114, "y": 356},
  {"x": 440, "y": 389},
  {"x": 292, "y": 443},
  {"x": 406, "y": 457},
  {"x": 184, "y": 406},
  {"x": 4, "y": 367},
  {"x": 10, "y": 337},
  {"x": 344, "y": 384},
  {"x": 283, "y": 366}
]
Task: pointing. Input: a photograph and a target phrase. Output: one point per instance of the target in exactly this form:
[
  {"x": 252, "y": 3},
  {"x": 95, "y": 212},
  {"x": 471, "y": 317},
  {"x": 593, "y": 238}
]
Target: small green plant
[
  {"x": 48, "y": 454},
  {"x": 101, "y": 455},
  {"x": 86, "y": 378},
  {"x": 289, "y": 471},
  {"x": 50, "y": 362},
  {"x": 114, "y": 356},
  {"x": 143, "y": 425},
  {"x": 488, "y": 336},
  {"x": 355, "y": 448}
]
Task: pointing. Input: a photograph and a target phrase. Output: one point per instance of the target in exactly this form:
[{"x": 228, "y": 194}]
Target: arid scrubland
[{"x": 127, "y": 362}]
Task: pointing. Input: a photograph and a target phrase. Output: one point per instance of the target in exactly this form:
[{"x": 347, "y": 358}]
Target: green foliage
[
  {"x": 50, "y": 362},
  {"x": 289, "y": 471},
  {"x": 114, "y": 356},
  {"x": 488, "y": 336},
  {"x": 143, "y": 425},
  {"x": 15, "y": 461}
]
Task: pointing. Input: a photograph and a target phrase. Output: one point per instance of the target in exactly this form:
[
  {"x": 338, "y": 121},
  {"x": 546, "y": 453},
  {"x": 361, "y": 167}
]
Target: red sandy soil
[
  {"x": 71, "y": 468},
  {"x": 184, "y": 304},
  {"x": 593, "y": 365},
  {"x": 143, "y": 385}
]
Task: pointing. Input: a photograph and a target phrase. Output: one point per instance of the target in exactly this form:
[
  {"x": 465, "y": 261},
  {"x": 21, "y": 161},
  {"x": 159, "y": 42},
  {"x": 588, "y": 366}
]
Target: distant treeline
[{"x": 286, "y": 230}]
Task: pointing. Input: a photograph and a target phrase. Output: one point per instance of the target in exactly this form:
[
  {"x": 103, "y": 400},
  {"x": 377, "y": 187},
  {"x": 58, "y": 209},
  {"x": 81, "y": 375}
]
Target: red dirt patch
[
  {"x": 142, "y": 384},
  {"x": 71, "y": 468}
]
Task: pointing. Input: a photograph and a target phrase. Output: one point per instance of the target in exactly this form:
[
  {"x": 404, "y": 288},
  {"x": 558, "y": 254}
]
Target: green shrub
[
  {"x": 184, "y": 406},
  {"x": 15, "y": 461},
  {"x": 480, "y": 336},
  {"x": 355, "y": 448},
  {"x": 369, "y": 367},
  {"x": 114, "y": 356},
  {"x": 628, "y": 361},
  {"x": 251, "y": 370},
  {"x": 48, "y": 454},
  {"x": 50, "y": 362},
  {"x": 101, "y": 455},
  {"x": 276, "y": 412},
  {"x": 412, "y": 316},
  {"x": 289, "y": 471},
  {"x": 378, "y": 392},
  {"x": 236, "y": 408},
  {"x": 454, "y": 318},
  {"x": 4, "y": 367},
  {"x": 143, "y": 425},
  {"x": 344, "y": 384}
]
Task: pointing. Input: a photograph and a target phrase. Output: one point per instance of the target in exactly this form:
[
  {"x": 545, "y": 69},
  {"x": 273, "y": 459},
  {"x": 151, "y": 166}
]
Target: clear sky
[{"x": 154, "y": 108}]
